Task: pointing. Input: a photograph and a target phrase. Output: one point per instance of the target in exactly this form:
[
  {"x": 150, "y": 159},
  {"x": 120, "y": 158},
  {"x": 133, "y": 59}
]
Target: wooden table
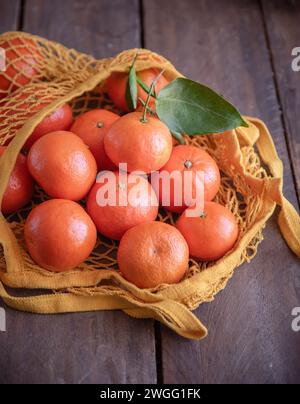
[{"x": 243, "y": 50}]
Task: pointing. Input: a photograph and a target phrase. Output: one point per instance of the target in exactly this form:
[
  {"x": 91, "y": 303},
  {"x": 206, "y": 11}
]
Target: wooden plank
[
  {"x": 76, "y": 348},
  {"x": 250, "y": 337},
  {"x": 102, "y": 347},
  {"x": 102, "y": 28},
  {"x": 283, "y": 29},
  {"x": 9, "y": 15}
]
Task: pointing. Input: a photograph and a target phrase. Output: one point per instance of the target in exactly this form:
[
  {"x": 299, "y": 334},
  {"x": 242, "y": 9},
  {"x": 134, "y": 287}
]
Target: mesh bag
[{"x": 249, "y": 189}]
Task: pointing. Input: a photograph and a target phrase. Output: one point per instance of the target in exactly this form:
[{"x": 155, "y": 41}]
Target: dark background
[{"x": 243, "y": 50}]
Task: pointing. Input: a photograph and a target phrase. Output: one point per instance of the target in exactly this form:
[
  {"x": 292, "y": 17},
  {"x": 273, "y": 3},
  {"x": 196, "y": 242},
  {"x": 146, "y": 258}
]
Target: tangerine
[
  {"x": 20, "y": 186},
  {"x": 143, "y": 145},
  {"x": 186, "y": 158},
  {"x": 117, "y": 82},
  {"x": 62, "y": 165},
  {"x": 92, "y": 128},
  {"x": 22, "y": 57},
  {"x": 59, "y": 119},
  {"x": 211, "y": 235},
  {"x": 27, "y": 103},
  {"x": 152, "y": 254},
  {"x": 133, "y": 201},
  {"x": 59, "y": 235}
]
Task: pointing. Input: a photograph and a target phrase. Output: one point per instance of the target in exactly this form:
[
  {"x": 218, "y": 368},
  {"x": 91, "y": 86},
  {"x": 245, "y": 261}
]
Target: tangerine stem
[
  {"x": 152, "y": 89},
  {"x": 152, "y": 112},
  {"x": 144, "y": 117},
  {"x": 144, "y": 86}
]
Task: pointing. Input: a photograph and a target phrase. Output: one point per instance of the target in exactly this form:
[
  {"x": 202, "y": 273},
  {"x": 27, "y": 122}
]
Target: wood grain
[
  {"x": 76, "y": 348},
  {"x": 250, "y": 338},
  {"x": 99, "y": 27},
  {"x": 9, "y": 15},
  {"x": 101, "y": 347},
  {"x": 283, "y": 29}
]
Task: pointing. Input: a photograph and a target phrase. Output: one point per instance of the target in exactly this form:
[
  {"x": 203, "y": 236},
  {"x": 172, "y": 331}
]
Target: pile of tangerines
[{"x": 63, "y": 157}]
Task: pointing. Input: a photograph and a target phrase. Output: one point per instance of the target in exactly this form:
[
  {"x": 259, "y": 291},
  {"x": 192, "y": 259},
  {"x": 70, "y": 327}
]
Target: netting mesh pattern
[{"x": 58, "y": 72}]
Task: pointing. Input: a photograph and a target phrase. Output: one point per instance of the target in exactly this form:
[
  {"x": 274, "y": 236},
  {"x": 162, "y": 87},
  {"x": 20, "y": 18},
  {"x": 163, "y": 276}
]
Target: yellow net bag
[{"x": 250, "y": 191}]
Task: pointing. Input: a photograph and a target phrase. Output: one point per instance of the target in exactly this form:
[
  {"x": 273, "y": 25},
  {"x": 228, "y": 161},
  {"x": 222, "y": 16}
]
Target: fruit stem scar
[
  {"x": 203, "y": 215},
  {"x": 188, "y": 164},
  {"x": 100, "y": 124}
]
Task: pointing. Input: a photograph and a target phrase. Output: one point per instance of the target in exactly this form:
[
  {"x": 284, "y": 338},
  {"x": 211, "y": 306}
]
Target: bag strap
[
  {"x": 170, "y": 313},
  {"x": 289, "y": 219}
]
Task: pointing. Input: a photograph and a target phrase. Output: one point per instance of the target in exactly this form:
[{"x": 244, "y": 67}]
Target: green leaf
[
  {"x": 131, "y": 89},
  {"x": 192, "y": 108}
]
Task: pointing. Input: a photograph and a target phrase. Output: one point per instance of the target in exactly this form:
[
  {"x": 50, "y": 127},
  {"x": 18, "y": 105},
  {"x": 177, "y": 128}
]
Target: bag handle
[
  {"x": 288, "y": 220},
  {"x": 170, "y": 313}
]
